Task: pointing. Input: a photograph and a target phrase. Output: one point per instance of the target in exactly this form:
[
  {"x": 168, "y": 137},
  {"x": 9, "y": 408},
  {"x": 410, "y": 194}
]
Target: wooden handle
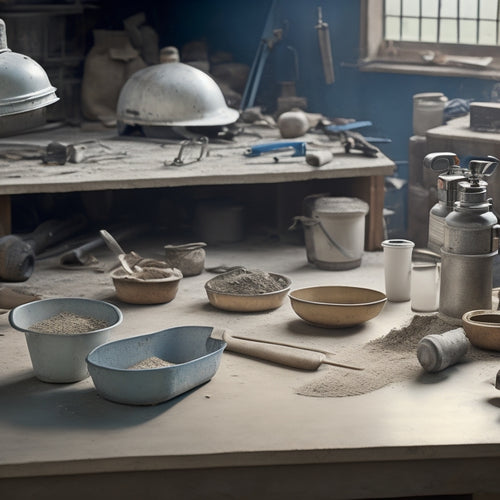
[
  {"x": 276, "y": 352},
  {"x": 283, "y": 355}
]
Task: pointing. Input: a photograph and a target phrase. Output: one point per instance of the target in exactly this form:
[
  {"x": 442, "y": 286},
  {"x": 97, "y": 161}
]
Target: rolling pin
[{"x": 294, "y": 357}]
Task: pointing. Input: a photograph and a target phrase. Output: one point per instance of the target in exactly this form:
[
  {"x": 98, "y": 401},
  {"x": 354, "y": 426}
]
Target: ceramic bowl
[
  {"x": 60, "y": 357},
  {"x": 134, "y": 289},
  {"x": 482, "y": 327},
  {"x": 245, "y": 302},
  {"x": 337, "y": 306}
]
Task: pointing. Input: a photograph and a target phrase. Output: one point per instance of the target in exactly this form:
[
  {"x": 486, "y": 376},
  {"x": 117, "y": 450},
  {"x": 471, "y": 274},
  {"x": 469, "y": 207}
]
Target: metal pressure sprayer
[
  {"x": 470, "y": 245},
  {"x": 451, "y": 174}
]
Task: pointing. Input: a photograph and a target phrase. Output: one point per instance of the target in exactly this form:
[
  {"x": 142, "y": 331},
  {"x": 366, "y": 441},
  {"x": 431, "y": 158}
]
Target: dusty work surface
[
  {"x": 249, "y": 415},
  {"x": 135, "y": 162}
]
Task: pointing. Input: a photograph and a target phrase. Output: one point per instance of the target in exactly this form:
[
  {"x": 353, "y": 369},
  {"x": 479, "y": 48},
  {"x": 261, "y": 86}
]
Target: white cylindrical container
[
  {"x": 428, "y": 111},
  {"x": 337, "y": 232},
  {"x": 397, "y": 269},
  {"x": 425, "y": 280},
  {"x": 436, "y": 352}
]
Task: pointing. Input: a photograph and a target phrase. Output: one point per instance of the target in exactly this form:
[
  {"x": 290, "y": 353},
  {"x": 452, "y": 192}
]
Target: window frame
[{"x": 406, "y": 57}]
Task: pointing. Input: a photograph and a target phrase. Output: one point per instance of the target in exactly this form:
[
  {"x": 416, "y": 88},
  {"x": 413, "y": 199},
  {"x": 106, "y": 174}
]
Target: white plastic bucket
[{"x": 335, "y": 233}]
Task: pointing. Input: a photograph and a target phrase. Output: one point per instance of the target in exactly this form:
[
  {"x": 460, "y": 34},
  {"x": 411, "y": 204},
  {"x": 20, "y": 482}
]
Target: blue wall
[{"x": 385, "y": 99}]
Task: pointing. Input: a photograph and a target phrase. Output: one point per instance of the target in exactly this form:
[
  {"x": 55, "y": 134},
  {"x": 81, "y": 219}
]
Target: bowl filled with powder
[
  {"x": 147, "y": 285},
  {"x": 60, "y": 332},
  {"x": 247, "y": 290}
]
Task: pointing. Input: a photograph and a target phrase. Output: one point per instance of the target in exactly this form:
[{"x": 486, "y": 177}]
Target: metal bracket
[{"x": 199, "y": 145}]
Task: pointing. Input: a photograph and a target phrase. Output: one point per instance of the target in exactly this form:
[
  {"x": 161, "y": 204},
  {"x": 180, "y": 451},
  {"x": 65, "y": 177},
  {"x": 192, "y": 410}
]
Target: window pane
[
  {"x": 411, "y": 8},
  {"x": 468, "y": 32},
  {"x": 392, "y": 28},
  {"x": 429, "y": 30},
  {"x": 410, "y": 29},
  {"x": 468, "y": 8},
  {"x": 449, "y": 8},
  {"x": 430, "y": 8},
  {"x": 448, "y": 33},
  {"x": 487, "y": 32},
  {"x": 392, "y": 7},
  {"x": 488, "y": 9}
]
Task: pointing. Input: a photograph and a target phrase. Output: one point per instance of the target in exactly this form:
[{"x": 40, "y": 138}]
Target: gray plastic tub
[{"x": 196, "y": 356}]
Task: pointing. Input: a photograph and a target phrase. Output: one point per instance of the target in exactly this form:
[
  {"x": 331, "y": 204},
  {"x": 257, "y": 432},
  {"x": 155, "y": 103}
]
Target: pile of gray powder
[{"x": 387, "y": 359}]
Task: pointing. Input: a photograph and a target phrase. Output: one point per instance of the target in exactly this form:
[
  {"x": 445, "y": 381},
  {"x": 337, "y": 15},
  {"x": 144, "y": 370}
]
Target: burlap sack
[{"x": 108, "y": 65}]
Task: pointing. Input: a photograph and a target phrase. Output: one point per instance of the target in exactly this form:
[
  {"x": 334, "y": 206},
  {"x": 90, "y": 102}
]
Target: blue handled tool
[
  {"x": 299, "y": 148},
  {"x": 347, "y": 126}
]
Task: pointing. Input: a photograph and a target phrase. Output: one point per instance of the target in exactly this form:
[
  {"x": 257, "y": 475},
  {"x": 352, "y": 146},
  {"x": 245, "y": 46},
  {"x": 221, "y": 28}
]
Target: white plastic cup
[
  {"x": 397, "y": 269},
  {"x": 425, "y": 287}
]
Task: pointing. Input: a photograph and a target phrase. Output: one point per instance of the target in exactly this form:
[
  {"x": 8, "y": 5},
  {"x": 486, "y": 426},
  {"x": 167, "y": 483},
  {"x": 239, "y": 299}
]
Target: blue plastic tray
[{"x": 196, "y": 354}]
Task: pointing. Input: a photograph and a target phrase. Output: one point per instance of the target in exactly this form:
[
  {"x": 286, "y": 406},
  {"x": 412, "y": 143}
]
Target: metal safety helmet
[
  {"x": 173, "y": 94},
  {"x": 24, "y": 84}
]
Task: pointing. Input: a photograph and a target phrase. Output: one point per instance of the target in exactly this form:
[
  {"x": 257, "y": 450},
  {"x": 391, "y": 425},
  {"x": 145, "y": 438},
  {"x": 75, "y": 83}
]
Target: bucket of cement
[{"x": 335, "y": 233}]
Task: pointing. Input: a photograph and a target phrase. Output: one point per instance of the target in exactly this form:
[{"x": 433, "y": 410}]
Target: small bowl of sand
[
  {"x": 148, "y": 285},
  {"x": 60, "y": 332},
  {"x": 247, "y": 290}
]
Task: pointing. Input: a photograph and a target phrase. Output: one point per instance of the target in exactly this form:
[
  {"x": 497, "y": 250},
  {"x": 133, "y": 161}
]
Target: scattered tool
[
  {"x": 270, "y": 36},
  {"x": 198, "y": 145},
  {"x": 299, "y": 148},
  {"x": 354, "y": 140},
  {"x": 57, "y": 153},
  {"x": 131, "y": 262},
  {"x": 80, "y": 255},
  {"x": 280, "y": 353},
  {"x": 337, "y": 128},
  {"x": 325, "y": 48},
  {"x": 349, "y": 138},
  {"x": 115, "y": 247}
]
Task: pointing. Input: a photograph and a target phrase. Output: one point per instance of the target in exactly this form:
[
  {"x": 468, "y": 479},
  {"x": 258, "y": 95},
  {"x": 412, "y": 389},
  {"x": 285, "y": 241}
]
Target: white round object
[{"x": 173, "y": 94}]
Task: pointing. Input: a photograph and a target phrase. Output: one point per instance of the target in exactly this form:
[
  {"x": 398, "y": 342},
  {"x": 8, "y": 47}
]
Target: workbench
[
  {"x": 245, "y": 434},
  {"x": 138, "y": 163}
]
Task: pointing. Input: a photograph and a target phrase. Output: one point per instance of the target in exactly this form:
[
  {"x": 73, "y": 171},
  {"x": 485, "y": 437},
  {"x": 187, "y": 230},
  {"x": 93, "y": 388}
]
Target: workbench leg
[
  {"x": 372, "y": 190},
  {"x": 5, "y": 215}
]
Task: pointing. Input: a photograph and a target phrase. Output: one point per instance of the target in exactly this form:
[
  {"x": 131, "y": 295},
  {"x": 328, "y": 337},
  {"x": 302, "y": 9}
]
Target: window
[{"x": 449, "y": 37}]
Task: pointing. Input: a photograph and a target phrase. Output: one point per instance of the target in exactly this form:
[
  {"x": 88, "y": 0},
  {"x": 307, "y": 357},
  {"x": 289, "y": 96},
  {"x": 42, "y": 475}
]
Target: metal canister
[
  {"x": 435, "y": 352},
  {"x": 469, "y": 248}
]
